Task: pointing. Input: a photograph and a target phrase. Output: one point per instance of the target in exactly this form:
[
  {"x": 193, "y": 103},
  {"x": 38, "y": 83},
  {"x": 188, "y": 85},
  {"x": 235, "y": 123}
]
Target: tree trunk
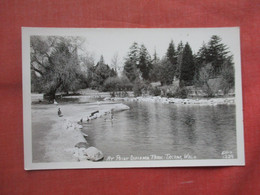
[
  {"x": 209, "y": 90},
  {"x": 50, "y": 96}
]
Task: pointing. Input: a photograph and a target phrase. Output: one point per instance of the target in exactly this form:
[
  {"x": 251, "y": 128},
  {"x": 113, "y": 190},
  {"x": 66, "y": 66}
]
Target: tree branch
[
  {"x": 36, "y": 70},
  {"x": 35, "y": 59}
]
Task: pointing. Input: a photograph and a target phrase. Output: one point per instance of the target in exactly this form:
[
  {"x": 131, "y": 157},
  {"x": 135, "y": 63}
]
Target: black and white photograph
[{"x": 132, "y": 97}]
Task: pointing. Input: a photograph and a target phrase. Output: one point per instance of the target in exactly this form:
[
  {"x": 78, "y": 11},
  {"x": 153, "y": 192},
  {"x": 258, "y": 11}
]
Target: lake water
[{"x": 160, "y": 129}]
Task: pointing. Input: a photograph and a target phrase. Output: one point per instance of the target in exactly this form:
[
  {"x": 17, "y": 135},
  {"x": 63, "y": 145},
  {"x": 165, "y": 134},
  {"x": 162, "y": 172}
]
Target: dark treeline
[
  {"x": 56, "y": 66},
  {"x": 209, "y": 72}
]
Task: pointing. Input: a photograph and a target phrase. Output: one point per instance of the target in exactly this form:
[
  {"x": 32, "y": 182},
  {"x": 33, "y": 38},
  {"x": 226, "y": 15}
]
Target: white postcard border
[{"x": 27, "y": 119}]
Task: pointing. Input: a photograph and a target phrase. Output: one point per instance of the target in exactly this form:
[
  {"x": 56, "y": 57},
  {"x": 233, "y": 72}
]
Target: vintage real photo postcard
[{"x": 132, "y": 97}]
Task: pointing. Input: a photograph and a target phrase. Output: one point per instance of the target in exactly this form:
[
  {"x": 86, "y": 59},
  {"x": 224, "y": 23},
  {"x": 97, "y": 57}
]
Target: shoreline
[
  {"x": 178, "y": 101},
  {"x": 62, "y": 134},
  {"x": 60, "y": 140}
]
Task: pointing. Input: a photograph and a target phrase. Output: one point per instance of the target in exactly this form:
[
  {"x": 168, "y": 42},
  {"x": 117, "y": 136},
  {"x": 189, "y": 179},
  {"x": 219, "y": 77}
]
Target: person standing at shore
[{"x": 59, "y": 113}]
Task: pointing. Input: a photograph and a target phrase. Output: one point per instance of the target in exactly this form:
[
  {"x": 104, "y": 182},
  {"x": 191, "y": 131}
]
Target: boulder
[
  {"x": 94, "y": 154},
  {"x": 82, "y": 145}
]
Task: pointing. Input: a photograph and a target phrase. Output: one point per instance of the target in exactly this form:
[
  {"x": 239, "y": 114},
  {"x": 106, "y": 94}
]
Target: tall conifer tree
[
  {"x": 144, "y": 62},
  {"x": 179, "y": 58},
  {"x": 172, "y": 66},
  {"x": 130, "y": 66},
  {"x": 187, "y": 67}
]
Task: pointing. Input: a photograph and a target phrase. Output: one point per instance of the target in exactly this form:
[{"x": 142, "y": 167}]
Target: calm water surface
[{"x": 159, "y": 129}]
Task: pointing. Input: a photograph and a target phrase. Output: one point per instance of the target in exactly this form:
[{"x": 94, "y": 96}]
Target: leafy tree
[
  {"x": 36, "y": 84},
  {"x": 187, "y": 67},
  {"x": 115, "y": 62},
  {"x": 227, "y": 76},
  {"x": 125, "y": 84},
  {"x": 204, "y": 78},
  {"x": 88, "y": 68},
  {"x": 117, "y": 84},
  {"x": 112, "y": 84},
  {"x": 211, "y": 85},
  {"x": 54, "y": 61}
]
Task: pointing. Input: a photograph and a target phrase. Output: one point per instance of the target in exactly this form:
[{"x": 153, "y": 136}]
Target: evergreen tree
[
  {"x": 165, "y": 76},
  {"x": 187, "y": 67},
  {"x": 155, "y": 59},
  {"x": 144, "y": 63},
  {"x": 179, "y": 58},
  {"x": 130, "y": 71},
  {"x": 101, "y": 73},
  {"x": 134, "y": 52},
  {"x": 130, "y": 66},
  {"x": 101, "y": 60},
  {"x": 113, "y": 73},
  {"x": 172, "y": 66},
  {"x": 171, "y": 53},
  {"x": 155, "y": 68},
  {"x": 216, "y": 53},
  {"x": 202, "y": 54},
  {"x": 200, "y": 60}
]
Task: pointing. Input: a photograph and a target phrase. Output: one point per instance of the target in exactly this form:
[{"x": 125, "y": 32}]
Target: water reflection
[{"x": 151, "y": 128}]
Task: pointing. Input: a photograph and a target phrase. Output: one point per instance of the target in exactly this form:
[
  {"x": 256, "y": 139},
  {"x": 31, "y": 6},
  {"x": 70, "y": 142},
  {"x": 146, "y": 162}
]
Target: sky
[
  {"x": 111, "y": 41},
  {"x": 108, "y": 42}
]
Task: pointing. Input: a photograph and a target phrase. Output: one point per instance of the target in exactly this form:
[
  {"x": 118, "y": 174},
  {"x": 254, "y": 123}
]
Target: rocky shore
[
  {"x": 64, "y": 141},
  {"x": 178, "y": 101}
]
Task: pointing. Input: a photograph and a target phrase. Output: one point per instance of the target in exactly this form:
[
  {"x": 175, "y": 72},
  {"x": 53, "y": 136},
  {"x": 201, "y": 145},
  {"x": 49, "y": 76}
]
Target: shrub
[
  {"x": 125, "y": 84},
  {"x": 227, "y": 78},
  {"x": 117, "y": 84},
  {"x": 170, "y": 94},
  {"x": 111, "y": 84},
  {"x": 181, "y": 92},
  {"x": 138, "y": 85},
  {"x": 155, "y": 91},
  {"x": 140, "y": 88}
]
